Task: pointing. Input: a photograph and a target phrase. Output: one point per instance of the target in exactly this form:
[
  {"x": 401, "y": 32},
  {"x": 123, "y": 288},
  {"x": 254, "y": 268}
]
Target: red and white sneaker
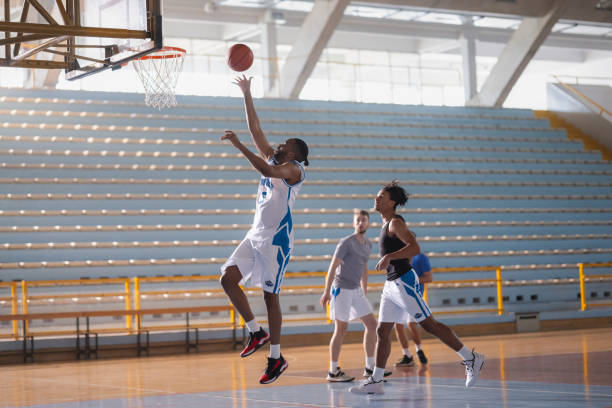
[
  {"x": 275, "y": 368},
  {"x": 256, "y": 340}
]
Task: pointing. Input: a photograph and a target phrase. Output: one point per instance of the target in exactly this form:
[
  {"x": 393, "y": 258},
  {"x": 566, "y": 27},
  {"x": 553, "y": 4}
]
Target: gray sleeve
[{"x": 341, "y": 249}]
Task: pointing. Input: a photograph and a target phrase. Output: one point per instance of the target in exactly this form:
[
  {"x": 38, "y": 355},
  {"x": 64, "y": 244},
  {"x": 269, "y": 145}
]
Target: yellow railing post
[
  {"x": 137, "y": 300},
  {"x": 128, "y": 305},
  {"x": 425, "y": 293},
  {"x": 14, "y": 309},
  {"x": 500, "y": 298},
  {"x": 583, "y": 305},
  {"x": 24, "y": 304}
]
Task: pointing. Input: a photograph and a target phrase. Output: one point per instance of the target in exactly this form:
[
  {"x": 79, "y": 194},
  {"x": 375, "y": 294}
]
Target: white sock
[
  {"x": 253, "y": 326},
  {"x": 465, "y": 354},
  {"x": 407, "y": 352},
  {"x": 333, "y": 367},
  {"x": 370, "y": 362},
  {"x": 417, "y": 346},
  {"x": 274, "y": 350},
  {"x": 379, "y": 374}
]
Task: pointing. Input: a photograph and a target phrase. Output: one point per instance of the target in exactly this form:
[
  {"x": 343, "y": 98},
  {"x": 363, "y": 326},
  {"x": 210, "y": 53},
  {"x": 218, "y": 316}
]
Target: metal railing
[
  {"x": 26, "y": 298},
  {"x": 497, "y": 281},
  {"x": 13, "y": 299},
  {"x": 601, "y": 110},
  {"x": 584, "y": 278},
  {"x": 132, "y": 292}
]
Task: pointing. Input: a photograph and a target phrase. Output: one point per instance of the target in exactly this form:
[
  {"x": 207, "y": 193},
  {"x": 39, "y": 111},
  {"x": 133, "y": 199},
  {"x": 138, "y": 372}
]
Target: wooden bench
[{"x": 87, "y": 340}]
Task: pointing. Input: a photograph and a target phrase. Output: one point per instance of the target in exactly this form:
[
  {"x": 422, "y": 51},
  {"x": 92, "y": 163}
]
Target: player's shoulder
[
  {"x": 398, "y": 222},
  {"x": 346, "y": 239}
]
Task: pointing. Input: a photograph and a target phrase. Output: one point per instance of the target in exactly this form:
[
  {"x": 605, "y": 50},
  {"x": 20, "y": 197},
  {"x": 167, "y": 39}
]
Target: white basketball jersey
[{"x": 273, "y": 218}]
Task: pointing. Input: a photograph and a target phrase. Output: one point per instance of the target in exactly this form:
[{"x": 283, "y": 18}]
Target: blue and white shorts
[
  {"x": 348, "y": 304},
  {"x": 261, "y": 262},
  {"x": 401, "y": 297}
]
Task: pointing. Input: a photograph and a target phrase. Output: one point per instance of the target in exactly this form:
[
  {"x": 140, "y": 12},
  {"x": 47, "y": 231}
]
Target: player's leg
[
  {"x": 389, "y": 313},
  {"x": 413, "y": 329},
  {"x": 276, "y": 362},
  {"x": 243, "y": 259},
  {"x": 230, "y": 281},
  {"x": 417, "y": 308},
  {"x": 402, "y": 337},
  {"x": 271, "y": 270},
  {"x": 335, "y": 374},
  {"x": 369, "y": 339},
  {"x": 362, "y": 308},
  {"x": 275, "y": 316},
  {"x": 383, "y": 347}
]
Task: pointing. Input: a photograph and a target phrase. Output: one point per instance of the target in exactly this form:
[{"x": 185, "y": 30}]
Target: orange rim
[{"x": 179, "y": 53}]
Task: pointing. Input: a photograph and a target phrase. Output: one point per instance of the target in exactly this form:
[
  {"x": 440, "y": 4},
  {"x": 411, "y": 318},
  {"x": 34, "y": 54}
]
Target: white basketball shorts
[
  {"x": 400, "y": 297},
  {"x": 261, "y": 262},
  {"x": 348, "y": 304}
]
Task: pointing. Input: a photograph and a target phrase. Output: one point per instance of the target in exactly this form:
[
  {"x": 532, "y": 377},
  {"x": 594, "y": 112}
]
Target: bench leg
[
  {"x": 28, "y": 352},
  {"x": 189, "y": 345},
  {"x": 140, "y": 346},
  {"x": 91, "y": 350},
  {"x": 80, "y": 351}
]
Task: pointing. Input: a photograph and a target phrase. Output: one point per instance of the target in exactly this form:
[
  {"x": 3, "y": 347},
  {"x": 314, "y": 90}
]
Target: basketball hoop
[{"x": 159, "y": 73}]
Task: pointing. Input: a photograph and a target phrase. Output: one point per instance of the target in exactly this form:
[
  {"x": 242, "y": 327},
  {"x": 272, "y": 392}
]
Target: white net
[{"x": 159, "y": 72}]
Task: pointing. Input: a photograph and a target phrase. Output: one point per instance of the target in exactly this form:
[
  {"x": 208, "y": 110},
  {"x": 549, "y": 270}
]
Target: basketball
[{"x": 239, "y": 57}]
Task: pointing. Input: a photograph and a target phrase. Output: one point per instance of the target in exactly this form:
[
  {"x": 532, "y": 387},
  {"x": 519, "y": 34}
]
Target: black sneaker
[
  {"x": 368, "y": 373},
  {"x": 422, "y": 357},
  {"x": 275, "y": 368},
  {"x": 405, "y": 361},
  {"x": 256, "y": 340}
]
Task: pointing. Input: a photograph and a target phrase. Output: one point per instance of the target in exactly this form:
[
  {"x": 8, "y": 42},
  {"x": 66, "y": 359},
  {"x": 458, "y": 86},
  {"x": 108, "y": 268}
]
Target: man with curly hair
[{"x": 401, "y": 293}]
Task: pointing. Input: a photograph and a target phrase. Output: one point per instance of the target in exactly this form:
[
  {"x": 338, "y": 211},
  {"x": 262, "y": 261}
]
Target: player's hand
[
  {"x": 243, "y": 83},
  {"x": 231, "y": 136},
  {"x": 325, "y": 299},
  {"x": 383, "y": 263}
]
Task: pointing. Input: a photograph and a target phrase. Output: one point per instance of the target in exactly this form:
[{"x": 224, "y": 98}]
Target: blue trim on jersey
[{"x": 283, "y": 241}]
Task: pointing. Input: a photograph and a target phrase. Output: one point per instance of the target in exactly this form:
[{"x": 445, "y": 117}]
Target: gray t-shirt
[{"x": 354, "y": 256}]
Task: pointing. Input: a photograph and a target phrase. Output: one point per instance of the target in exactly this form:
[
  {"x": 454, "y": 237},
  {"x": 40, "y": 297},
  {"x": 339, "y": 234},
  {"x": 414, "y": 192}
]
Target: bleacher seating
[{"x": 98, "y": 185}]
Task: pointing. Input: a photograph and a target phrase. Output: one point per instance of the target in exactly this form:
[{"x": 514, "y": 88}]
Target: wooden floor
[{"x": 582, "y": 358}]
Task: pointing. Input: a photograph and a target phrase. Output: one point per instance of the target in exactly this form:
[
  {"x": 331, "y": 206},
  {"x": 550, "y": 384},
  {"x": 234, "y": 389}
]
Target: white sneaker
[
  {"x": 368, "y": 386},
  {"x": 472, "y": 368},
  {"x": 339, "y": 376}
]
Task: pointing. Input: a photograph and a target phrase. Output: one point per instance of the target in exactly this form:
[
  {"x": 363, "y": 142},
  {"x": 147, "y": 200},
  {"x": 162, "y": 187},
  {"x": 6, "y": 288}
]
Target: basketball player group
[{"x": 263, "y": 255}]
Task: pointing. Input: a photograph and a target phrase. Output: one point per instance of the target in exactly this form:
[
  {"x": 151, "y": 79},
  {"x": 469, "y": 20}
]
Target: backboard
[{"x": 80, "y": 36}]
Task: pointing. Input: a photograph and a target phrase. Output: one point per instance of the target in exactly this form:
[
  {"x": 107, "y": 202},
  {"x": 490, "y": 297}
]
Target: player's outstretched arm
[
  {"x": 288, "y": 171},
  {"x": 263, "y": 147}
]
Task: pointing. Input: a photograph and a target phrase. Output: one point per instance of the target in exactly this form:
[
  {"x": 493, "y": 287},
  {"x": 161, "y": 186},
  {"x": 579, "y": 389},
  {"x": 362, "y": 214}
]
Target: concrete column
[
  {"x": 468, "y": 53},
  {"x": 268, "y": 51},
  {"x": 515, "y": 56},
  {"x": 316, "y": 31}
]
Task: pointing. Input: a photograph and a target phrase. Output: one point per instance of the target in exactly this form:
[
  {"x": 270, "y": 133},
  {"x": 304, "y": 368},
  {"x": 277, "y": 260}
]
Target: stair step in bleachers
[{"x": 99, "y": 185}]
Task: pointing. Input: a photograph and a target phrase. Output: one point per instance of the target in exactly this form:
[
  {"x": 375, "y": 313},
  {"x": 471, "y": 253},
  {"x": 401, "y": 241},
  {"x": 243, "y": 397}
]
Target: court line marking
[{"x": 477, "y": 387}]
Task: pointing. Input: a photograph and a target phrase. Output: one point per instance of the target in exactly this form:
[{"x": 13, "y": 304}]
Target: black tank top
[{"x": 387, "y": 245}]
